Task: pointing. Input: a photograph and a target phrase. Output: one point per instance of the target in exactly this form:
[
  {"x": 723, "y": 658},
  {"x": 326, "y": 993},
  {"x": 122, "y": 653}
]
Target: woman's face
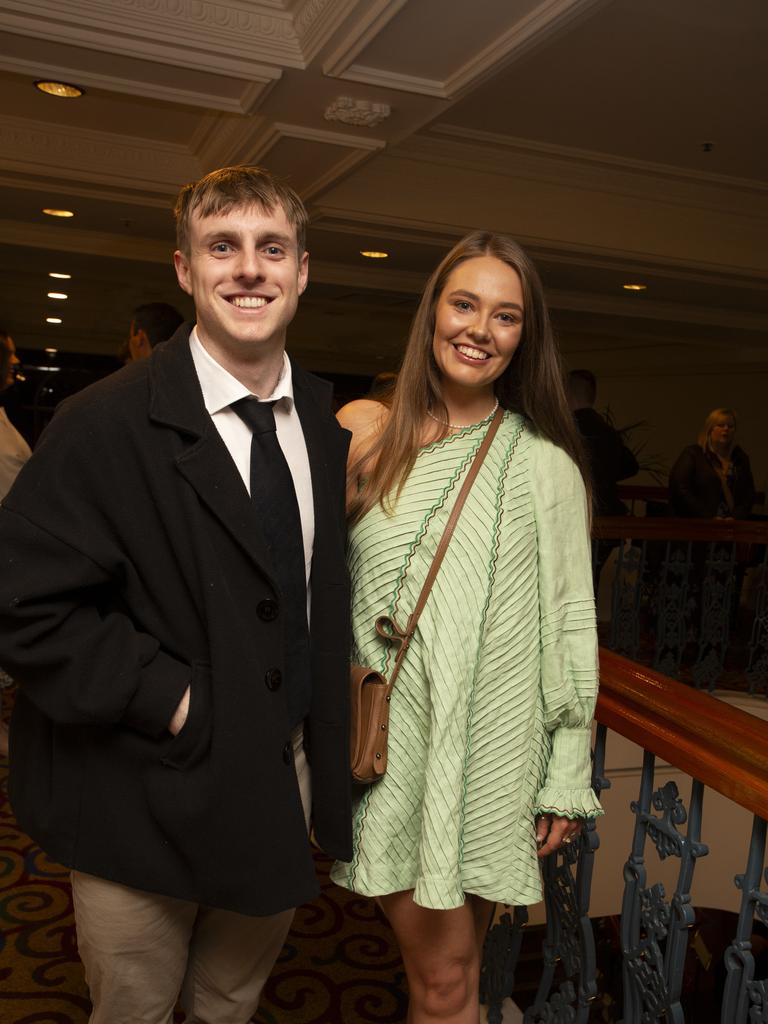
[
  {"x": 723, "y": 431},
  {"x": 478, "y": 322}
]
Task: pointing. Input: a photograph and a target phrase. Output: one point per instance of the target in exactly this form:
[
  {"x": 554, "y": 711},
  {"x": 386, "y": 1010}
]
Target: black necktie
[{"x": 274, "y": 499}]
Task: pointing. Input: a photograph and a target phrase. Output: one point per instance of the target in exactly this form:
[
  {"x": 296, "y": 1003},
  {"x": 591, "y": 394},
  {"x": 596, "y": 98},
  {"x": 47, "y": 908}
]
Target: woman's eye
[
  {"x": 463, "y": 305},
  {"x": 508, "y": 318}
]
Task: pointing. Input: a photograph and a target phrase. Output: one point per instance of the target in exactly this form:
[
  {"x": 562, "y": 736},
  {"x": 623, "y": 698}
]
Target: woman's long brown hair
[{"x": 532, "y": 384}]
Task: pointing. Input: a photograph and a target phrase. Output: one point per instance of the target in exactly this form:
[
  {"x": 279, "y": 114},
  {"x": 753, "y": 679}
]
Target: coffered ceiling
[{"x": 618, "y": 140}]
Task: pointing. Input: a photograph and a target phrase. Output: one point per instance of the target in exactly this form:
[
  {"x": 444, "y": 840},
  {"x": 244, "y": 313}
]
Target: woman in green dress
[{"x": 489, "y": 735}]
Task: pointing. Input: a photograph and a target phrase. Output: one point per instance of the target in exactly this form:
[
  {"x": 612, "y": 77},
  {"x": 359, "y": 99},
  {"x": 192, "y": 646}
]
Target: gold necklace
[{"x": 463, "y": 426}]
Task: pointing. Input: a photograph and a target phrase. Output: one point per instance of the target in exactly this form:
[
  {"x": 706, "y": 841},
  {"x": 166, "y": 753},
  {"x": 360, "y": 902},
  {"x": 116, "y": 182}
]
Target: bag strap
[{"x": 405, "y": 636}]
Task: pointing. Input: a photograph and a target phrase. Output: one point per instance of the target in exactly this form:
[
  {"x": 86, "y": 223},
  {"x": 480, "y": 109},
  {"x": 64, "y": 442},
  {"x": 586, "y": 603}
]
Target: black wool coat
[
  {"x": 695, "y": 489},
  {"x": 131, "y": 565}
]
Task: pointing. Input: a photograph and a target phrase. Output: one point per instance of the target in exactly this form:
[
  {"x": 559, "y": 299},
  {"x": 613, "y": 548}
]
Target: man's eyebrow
[
  {"x": 265, "y": 239},
  {"x": 476, "y": 298}
]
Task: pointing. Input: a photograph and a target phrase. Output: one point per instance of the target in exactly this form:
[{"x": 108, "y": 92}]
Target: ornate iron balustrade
[
  {"x": 722, "y": 749},
  {"x": 675, "y": 597}
]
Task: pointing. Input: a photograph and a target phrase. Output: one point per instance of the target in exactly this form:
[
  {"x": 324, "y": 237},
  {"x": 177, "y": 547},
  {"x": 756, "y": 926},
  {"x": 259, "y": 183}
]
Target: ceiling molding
[
  {"x": 645, "y": 309},
  {"x": 103, "y": 193},
  {"x": 538, "y": 26},
  {"x": 572, "y": 153},
  {"x": 223, "y": 36},
  {"x": 535, "y": 28},
  {"x": 37, "y": 147},
  {"x": 373, "y": 278},
  {"x": 366, "y": 28},
  {"x": 317, "y": 20},
  {"x": 333, "y": 217},
  {"x": 383, "y": 79},
  {"x": 515, "y": 159},
  {"x": 221, "y": 141},
  {"x": 252, "y": 95},
  {"x": 90, "y": 243},
  {"x": 334, "y": 174},
  {"x": 298, "y": 131},
  {"x": 321, "y": 221}
]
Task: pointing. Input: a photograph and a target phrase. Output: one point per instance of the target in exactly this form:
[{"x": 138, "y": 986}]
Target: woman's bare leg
[{"x": 441, "y": 953}]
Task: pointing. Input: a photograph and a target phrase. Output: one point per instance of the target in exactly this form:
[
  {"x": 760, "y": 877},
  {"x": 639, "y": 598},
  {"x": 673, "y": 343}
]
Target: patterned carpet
[{"x": 339, "y": 965}]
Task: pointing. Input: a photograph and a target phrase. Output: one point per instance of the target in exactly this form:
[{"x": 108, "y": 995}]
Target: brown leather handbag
[{"x": 370, "y": 691}]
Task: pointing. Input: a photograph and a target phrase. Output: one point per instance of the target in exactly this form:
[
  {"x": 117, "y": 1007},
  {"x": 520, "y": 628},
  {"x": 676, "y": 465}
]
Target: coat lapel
[
  {"x": 177, "y": 402},
  {"x": 327, "y": 446}
]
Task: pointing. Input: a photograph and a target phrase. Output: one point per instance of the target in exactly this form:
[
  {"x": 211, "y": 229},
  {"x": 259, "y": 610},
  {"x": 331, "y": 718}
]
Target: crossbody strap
[{"x": 405, "y": 636}]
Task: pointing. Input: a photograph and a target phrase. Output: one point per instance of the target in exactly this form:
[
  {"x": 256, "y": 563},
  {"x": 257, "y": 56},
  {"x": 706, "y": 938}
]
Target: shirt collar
[{"x": 220, "y": 389}]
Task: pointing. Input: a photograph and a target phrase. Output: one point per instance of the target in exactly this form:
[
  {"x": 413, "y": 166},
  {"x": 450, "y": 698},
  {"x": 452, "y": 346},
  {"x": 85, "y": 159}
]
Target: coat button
[
  {"x": 273, "y": 677},
  {"x": 288, "y": 752},
  {"x": 267, "y": 610}
]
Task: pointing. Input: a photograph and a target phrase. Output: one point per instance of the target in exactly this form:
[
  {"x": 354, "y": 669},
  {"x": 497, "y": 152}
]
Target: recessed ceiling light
[
  {"x": 63, "y": 277},
  {"x": 57, "y": 213},
  {"x": 64, "y": 90},
  {"x": 51, "y": 351},
  {"x": 372, "y": 254},
  {"x": 57, "y": 295},
  {"x": 53, "y": 319},
  {"x": 634, "y": 287}
]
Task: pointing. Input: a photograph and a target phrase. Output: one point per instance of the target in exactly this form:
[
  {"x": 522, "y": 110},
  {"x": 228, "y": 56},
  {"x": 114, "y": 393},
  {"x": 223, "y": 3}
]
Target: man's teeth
[
  {"x": 472, "y": 353},
  {"x": 248, "y": 301}
]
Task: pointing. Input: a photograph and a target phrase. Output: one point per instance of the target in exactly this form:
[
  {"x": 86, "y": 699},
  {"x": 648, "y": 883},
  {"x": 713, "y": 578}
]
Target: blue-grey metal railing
[
  {"x": 676, "y": 597},
  {"x": 721, "y": 748}
]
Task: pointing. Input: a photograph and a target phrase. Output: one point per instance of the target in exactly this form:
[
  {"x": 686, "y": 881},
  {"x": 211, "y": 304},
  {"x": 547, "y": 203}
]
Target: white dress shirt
[{"x": 220, "y": 389}]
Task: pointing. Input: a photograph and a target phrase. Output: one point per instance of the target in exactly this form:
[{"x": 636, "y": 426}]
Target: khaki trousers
[{"x": 141, "y": 950}]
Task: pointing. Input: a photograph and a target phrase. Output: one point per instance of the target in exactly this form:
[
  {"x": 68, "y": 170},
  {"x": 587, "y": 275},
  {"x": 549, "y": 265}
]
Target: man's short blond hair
[{"x": 228, "y": 187}]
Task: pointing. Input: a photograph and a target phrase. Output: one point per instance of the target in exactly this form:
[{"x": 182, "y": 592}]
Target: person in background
[
  {"x": 489, "y": 732},
  {"x": 156, "y": 554},
  {"x": 610, "y": 460},
  {"x": 14, "y": 452},
  {"x": 713, "y": 479},
  {"x": 151, "y": 323}
]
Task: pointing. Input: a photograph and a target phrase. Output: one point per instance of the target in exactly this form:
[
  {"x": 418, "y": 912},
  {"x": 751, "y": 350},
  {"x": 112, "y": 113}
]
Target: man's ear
[
  {"x": 181, "y": 265},
  {"x": 142, "y": 344},
  {"x": 303, "y": 272}
]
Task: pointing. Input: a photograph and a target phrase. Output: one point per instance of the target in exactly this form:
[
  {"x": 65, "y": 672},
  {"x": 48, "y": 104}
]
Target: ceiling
[{"x": 619, "y": 141}]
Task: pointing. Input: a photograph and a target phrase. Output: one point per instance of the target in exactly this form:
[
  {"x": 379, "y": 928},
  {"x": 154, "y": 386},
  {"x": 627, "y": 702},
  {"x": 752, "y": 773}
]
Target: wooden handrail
[
  {"x": 649, "y": 492},
  {"x": 722, "y": 746},
  {"x": 657, "y": 528},
  {"x": 643, "y": 492}
]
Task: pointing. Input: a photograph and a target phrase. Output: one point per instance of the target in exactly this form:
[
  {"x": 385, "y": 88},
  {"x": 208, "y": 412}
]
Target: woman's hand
[{"x": 552, "y": 832}]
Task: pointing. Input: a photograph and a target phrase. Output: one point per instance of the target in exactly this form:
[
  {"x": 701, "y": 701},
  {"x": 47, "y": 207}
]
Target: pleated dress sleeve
[{"x": 569, "y": 663}]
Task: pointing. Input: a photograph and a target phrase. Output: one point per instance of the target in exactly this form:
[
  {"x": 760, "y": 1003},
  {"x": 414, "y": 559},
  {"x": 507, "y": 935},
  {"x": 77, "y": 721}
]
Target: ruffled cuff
[
  {"x": 567, "y": 792},
  {"x": 568, "y": 803}
]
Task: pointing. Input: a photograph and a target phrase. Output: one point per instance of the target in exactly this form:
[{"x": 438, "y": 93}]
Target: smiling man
[{"x": 173, "y": 602}]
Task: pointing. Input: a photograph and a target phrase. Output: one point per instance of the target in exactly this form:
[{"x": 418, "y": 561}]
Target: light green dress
[{"x": 490, "y": 715}]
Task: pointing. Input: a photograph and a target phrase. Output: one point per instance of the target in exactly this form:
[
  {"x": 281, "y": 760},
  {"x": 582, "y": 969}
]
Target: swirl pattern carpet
[{"x": 340, "y": 964}]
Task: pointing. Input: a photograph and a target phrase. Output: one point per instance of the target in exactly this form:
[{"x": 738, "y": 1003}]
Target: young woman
[
  {"x": 489, "y": 736},
  {"x": 713, "y": 479}
]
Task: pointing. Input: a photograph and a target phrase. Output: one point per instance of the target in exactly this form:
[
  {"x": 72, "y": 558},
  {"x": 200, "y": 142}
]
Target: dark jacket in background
[
  {"x": 132, "y": 565},
  {"x": 695, "y": 489},
  {"x": 609, "y": 460}
]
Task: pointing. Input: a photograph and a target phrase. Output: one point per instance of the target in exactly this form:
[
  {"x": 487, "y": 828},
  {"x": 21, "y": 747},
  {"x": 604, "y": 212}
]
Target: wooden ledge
[{"x": 722, "y": 746}]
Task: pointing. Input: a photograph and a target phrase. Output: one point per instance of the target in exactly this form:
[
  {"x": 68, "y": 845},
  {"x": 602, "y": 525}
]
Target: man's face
[{"x": 245, "y": 273}]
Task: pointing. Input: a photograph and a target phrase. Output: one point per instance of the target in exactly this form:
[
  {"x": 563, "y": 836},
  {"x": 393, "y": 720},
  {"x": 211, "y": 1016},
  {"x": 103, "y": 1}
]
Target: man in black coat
[
  {"x": 160, "y": 555},
  {"x": 610, "y": 460}
]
